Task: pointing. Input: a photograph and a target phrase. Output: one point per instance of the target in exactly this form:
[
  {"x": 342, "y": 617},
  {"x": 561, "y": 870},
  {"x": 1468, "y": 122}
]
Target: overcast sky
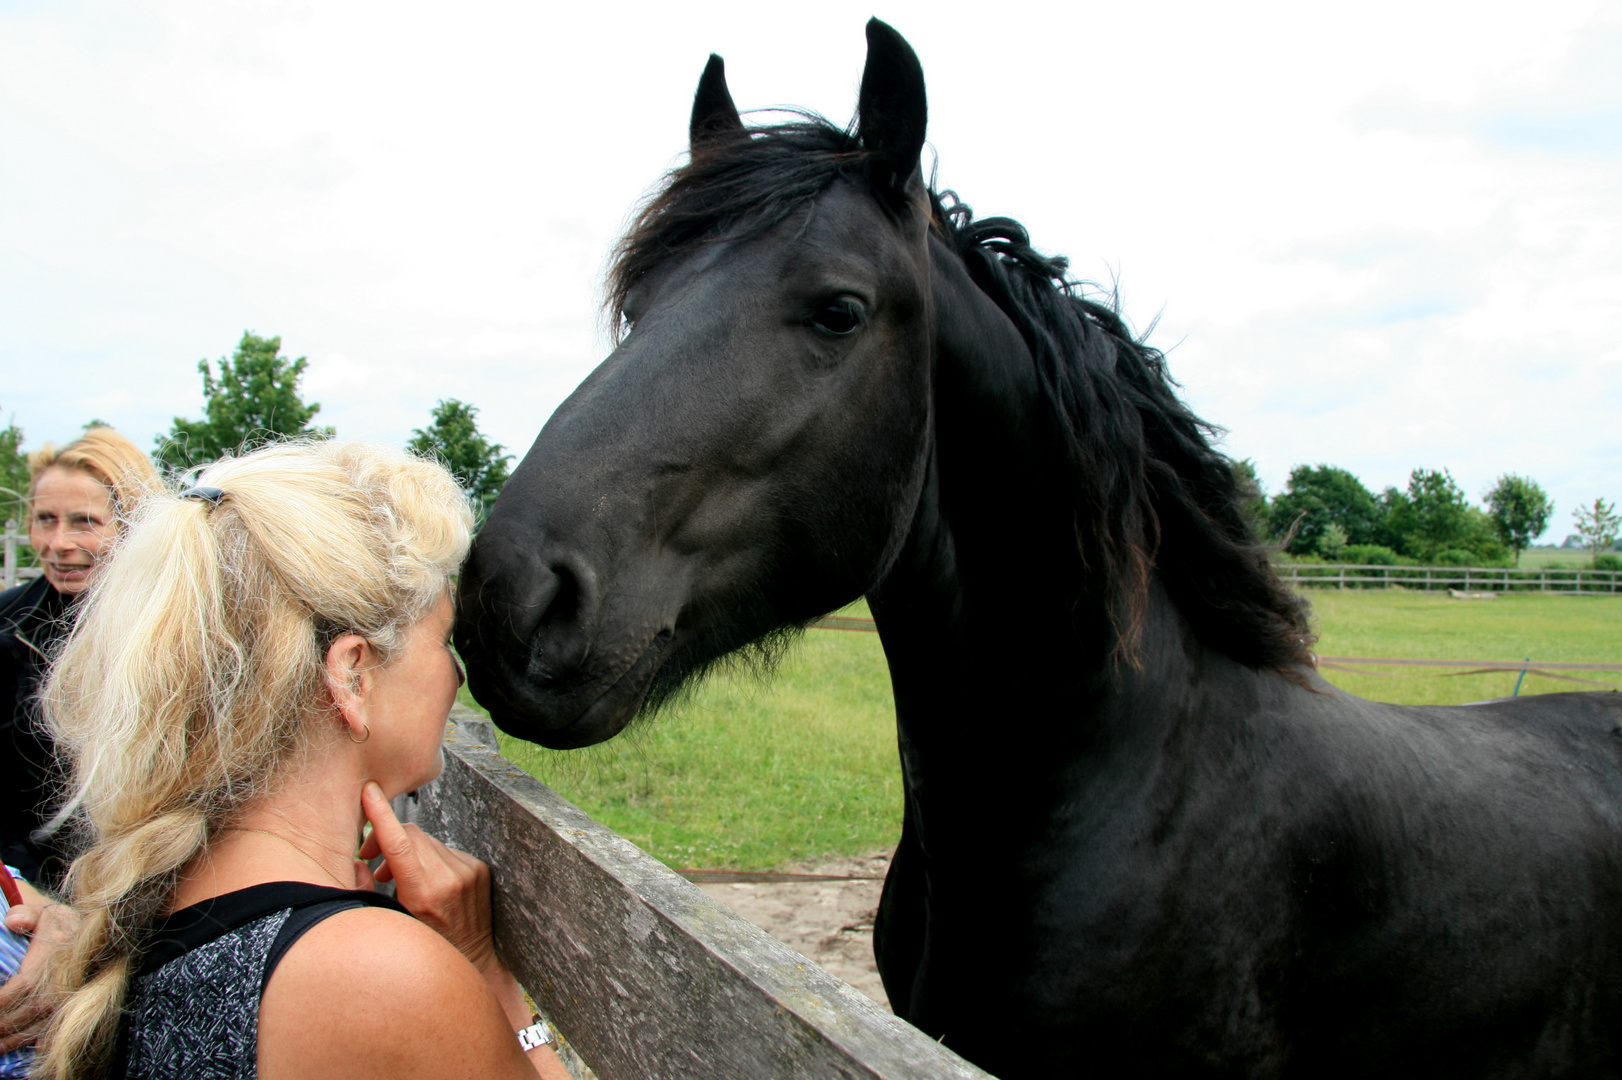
[{"x": 1374, "y": 235}]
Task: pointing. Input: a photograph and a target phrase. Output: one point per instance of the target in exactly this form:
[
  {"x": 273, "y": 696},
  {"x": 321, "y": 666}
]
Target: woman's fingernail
[{"x": 373, "y": 789}]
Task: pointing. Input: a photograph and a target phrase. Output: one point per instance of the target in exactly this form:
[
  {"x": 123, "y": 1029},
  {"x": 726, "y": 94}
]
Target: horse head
[{"x": 751, "y": 453}]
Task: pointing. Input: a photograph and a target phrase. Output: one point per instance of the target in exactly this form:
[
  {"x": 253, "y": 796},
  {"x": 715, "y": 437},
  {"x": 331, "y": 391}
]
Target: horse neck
[{"x": 1000, "y": 659}]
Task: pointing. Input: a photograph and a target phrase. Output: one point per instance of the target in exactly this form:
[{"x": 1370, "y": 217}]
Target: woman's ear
[{"x": 350, "y": 660}]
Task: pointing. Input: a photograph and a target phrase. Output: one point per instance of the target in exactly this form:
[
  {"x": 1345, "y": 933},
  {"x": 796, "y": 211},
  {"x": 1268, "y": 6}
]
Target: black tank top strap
[
  {"x": 307, "y": 915},
  {"x": 203, "y": 922}
]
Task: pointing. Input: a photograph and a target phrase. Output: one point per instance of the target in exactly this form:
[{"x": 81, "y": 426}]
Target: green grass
[
  {"x": 1556, "y": 559},
  {"x": 1416, "y": 625},
  {"x": 750, "y": 776}
]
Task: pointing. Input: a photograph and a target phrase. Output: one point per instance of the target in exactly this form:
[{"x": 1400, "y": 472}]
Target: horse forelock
[{"x": 740, "y": 185}]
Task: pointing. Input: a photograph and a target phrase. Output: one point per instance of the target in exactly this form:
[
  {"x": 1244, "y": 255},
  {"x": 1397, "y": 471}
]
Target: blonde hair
[
  {"x": 107, "y": 456},
  {"x": 197, "y": 670}
]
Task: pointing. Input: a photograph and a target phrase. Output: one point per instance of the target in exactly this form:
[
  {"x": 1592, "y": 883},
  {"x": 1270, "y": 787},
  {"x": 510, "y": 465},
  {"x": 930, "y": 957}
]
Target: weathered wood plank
[{"x": 647, "y": 976}]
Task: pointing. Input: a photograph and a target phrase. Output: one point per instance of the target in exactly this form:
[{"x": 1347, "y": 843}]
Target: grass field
[
  {"x": 1555, "y": 559},
  {"x": 750, "y": 776},
  {"x": 1547, "y": 627}
]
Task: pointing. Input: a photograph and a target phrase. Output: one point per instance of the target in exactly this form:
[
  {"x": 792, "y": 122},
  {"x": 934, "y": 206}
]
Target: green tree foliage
[
  {"x": 1332, "y": 544},
  {"x": 1438, "y": 514},
  {"x": 1519, "y": 511},
  {"x": 1253, "y": 498},
  {"x": 1317, "y": 496},
  {"x": 13, "y": 474},
  {"x": 1598, "y": 526},
  {"x": 452, "y": 438},
  {"x": 1396, "y": 518},
  {"x": 254, "y": 400}
]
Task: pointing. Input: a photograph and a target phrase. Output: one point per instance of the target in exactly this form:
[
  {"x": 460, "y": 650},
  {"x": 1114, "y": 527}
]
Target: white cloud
[{"x": 1381, "y": 236}]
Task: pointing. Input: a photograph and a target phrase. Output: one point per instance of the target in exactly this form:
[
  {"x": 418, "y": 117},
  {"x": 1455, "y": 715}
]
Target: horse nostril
[
  {"x": 562, "y": 621},
  {"x": 564, "y": 607},
  {"x": 537, "y": 609}
]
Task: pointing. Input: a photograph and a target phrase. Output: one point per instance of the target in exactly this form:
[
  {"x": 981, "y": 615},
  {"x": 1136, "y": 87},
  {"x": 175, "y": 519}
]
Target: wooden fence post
[{"x": 644, "y": 974}]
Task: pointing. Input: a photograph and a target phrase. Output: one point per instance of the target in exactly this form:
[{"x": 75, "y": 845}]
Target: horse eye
[{"x": 839, "y": 317}]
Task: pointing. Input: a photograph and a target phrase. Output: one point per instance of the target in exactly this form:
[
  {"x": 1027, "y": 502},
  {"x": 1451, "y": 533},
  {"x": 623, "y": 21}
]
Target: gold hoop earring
[{"x": 350, "y": 732}]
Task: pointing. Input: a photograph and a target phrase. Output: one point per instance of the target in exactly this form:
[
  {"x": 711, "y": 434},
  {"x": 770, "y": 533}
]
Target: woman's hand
[
  {"x": 446, "y": 889},
  {"x": 23, "y": 1010}
]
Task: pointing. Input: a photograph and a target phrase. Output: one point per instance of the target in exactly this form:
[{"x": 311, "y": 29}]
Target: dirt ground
[{"x": 830, "y": 922}]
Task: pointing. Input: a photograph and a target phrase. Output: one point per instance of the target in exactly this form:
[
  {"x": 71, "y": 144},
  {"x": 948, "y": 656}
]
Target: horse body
[
  {"x": 1198, "y": 871},
  {"x": 1309, "y": 883},
  {"x": 1139, "y": 831}
]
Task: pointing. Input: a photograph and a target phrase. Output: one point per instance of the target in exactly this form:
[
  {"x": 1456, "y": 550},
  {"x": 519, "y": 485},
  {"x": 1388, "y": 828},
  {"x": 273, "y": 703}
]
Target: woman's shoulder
[{"x": 373, "y": 992}]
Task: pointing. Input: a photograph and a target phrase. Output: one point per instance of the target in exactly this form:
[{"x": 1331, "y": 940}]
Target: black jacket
[{"x": 33, "y": 620}]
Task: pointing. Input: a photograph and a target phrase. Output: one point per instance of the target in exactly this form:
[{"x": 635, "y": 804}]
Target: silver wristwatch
[{"x": 539, "y": 1033}]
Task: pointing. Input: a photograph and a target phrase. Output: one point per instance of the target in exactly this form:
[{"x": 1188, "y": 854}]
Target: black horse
[{"x": 1140, "y": 832}]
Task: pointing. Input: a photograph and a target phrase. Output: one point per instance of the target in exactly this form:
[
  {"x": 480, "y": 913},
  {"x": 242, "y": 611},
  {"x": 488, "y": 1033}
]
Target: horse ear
[
  {"x": 891, "y": 110},
  {"x": 713, "y": 111}
]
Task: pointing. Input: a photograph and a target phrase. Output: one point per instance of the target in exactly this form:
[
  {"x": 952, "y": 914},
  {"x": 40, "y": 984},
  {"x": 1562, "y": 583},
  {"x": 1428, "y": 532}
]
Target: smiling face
[{"x": 71, "y": 525}]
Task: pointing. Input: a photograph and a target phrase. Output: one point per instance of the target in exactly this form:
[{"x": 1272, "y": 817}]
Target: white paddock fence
[{"x": 1582, "y": 582}]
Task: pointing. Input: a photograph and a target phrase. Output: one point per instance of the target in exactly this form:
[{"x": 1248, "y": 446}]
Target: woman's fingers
[
  {"x": 447, "y": 889},
  {"x": 393, "y": 841},
  {"x": 23, "y": 918},
  {"x": 24, "y": 1011}
]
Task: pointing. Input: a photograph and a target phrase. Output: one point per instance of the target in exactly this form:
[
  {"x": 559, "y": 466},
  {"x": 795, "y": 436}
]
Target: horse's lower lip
[{"x": 608, "y": 714}]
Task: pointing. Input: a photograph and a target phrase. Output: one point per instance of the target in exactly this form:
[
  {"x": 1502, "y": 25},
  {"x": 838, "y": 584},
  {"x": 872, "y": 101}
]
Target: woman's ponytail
[{"x": 196, "y": 668}]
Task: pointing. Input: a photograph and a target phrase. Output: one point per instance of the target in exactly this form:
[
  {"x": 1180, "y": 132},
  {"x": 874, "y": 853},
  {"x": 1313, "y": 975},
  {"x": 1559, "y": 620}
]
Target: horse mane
[
  {"x": 1152, "y": 496},
  {"x": 1151, "y": 493}
]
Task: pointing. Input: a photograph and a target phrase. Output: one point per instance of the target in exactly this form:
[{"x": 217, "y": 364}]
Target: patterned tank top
[{"x": 193, "y": 1010}]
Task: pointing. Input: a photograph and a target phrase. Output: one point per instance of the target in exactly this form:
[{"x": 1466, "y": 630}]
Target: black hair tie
[{"x": 210, "y": 495}]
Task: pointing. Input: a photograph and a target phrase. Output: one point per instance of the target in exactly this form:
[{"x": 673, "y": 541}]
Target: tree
[
  {"x": 1441, "y": 514},
  {"x": 1598, "y": 526},
  {"x": 1253, "y": 500},
  {"x": 1519, "y": 510},
  {"x": 13, "y": 474},
  {"x": 1332, "y": 544},
  {"x": 254, "y": 400},
  {"x": 453, "y": 439},
  {"x": 1317, "y": 496}
]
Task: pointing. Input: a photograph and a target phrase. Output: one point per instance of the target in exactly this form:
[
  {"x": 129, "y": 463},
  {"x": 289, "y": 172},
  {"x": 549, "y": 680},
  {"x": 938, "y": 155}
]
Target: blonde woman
[
  {"x": 262, "y": 668},
  {"x": 76, "y": 498}
]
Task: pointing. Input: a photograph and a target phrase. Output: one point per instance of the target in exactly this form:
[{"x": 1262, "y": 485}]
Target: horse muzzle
[{"x": 544, "y": 656}]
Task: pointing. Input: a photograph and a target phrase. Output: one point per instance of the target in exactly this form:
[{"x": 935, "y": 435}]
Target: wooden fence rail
[
  {"x": 1581, "y": 582},
  {"x": 644, "y": 974},
  {"x": 11, "y": 570}
]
